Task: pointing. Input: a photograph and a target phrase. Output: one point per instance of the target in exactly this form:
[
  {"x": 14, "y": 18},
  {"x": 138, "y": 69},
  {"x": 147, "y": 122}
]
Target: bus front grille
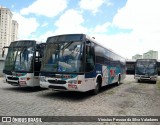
[
  {"x": 12, "y": 78},
  {"x": 145, "y": 77},
  {"x": 57, "y": 81},
  {"x": 57, "y": 87}
]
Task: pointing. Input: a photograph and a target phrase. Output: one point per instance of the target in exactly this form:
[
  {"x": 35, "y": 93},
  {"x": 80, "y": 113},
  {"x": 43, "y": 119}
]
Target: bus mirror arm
[{"x": 3, "y": 50}]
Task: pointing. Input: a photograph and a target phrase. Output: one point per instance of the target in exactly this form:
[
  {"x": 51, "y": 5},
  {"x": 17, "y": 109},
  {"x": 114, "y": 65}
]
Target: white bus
[
  {"x": 23, "y": 62},
  {"x": 76, "y": 62},
  {"x": 146, "y": 69}
]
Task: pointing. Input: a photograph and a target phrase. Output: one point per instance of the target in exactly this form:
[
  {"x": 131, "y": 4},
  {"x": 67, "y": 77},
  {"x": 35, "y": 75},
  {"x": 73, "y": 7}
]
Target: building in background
[
  {"x": 137, "y": 56},
  {"x": 150, "y": 55},
  {"x": 14, "y": 30},
  {"x": 8, "y": 28}
]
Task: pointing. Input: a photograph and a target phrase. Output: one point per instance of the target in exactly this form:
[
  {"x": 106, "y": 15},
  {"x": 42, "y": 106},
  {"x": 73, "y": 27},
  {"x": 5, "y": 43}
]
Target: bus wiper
[{"x": 67, "y": 45}]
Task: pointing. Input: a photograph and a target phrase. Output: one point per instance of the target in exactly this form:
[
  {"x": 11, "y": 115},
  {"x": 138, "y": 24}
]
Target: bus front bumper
[
  {"x": 143, "y": 77},
  {"x": 11, "y": 80}
]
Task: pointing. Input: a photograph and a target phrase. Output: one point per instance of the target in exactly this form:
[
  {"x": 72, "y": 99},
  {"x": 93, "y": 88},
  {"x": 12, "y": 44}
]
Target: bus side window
[{"x": 90, "y": 56}]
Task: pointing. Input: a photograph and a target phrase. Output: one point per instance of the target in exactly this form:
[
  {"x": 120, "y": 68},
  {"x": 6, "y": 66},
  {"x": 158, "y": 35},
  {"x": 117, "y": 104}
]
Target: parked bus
[
  {"x": 76, "y": 62},
  {"x": 146, "y": 69},
  {"x": 130, "y": 64},
  {"x": 23, "y": 62},
  {"x": 158, "y": 67}
]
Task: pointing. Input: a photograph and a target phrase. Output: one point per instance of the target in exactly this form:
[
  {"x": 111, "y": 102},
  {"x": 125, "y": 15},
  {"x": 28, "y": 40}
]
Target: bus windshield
[
  {"x": 146, "y": 67},
  {"x": 23, "y": 59},
  {"x": 19, "y": 59},
  {"x": 20, "y": 56},
  {"x": 63, "y": 57}
]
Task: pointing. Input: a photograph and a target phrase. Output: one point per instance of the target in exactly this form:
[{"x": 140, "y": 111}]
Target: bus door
[
  {"x": 90, "y": 64},
  {"x": 90, "y": 57},
  {"x": 37, "y": 63},
  {"x": 38, "y": 58}
]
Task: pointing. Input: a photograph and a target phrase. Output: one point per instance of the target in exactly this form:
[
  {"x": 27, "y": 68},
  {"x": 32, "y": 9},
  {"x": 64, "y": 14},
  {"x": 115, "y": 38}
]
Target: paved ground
[{"x": 128, "y": 99}]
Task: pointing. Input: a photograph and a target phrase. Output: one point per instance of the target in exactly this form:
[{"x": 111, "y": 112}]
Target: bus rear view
[{"x": 146, "y": 69}]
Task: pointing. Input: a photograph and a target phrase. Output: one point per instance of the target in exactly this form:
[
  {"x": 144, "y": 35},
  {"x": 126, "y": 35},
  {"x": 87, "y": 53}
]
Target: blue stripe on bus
[{"x": 93, "y": 74}]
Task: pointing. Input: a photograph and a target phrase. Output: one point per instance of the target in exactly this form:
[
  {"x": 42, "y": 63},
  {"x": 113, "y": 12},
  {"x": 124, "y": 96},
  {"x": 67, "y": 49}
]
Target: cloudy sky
[{"x": 128, "y": 27}]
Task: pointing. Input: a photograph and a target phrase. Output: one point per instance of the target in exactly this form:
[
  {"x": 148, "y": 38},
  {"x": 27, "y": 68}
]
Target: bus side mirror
[{"x": 3, "y": 52}]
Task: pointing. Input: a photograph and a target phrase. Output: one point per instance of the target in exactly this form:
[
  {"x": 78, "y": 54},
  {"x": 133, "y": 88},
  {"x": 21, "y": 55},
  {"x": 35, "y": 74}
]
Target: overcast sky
[{"x": 128, "y": 27}]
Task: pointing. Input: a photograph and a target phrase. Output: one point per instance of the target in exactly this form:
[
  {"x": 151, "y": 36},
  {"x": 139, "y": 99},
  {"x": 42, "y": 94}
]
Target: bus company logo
[
  {"x": 112, "y": 72},
  {"x": 13, "y": 74},
  {"x": 56, "y": 80},
  {"x": 6, "y": 119}
]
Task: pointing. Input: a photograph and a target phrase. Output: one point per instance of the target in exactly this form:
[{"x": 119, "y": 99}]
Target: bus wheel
[
  {"x": 154, "y": 82},
  {"x": 119, "y": 80},
  {"x": 97, "y": 88}
]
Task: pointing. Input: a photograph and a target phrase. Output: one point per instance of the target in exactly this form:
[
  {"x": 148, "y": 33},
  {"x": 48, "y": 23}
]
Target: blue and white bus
[
  {"x": 23, "y": 62},
  {"x": 76, "y": 62},
  {"x": 146, "y": 69}
]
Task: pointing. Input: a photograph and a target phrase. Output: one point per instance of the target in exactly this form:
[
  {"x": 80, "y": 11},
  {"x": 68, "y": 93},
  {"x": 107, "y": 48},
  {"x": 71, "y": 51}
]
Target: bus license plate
[
  {"x": 22, "y": 83},
  {"x": 72, "y": 86}
]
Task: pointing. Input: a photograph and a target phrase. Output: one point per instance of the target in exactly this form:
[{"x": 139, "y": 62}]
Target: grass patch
[
  {"x": 158, "y": 84},
  {"x": 110, "y": 92}
]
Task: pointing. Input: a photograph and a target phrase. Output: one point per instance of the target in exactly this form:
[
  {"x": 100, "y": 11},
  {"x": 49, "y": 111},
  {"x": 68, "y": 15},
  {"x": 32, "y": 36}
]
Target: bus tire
[
  {"x": 154, "y": 82},
  {"x": 97, "y": 87},
  {"x": 119, "y": 80}
]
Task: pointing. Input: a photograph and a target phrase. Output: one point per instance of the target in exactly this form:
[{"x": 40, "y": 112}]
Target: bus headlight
[
  {"x": 154, "y": 77},
  {"x": 43, "y": 79}
]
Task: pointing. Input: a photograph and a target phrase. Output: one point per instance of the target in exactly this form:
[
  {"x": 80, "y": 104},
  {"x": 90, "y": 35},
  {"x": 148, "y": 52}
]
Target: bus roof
[
  {"x": 78, "y": 37},
  {"x": 93, "y": 40},
  {"x": 22, "y": 43}
]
